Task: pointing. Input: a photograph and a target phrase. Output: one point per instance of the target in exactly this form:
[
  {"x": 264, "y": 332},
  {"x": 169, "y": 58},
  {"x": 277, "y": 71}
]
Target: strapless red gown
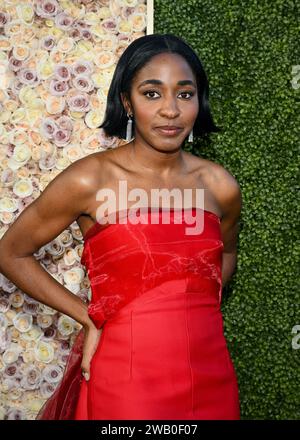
[{"x": 162, "y": 354}]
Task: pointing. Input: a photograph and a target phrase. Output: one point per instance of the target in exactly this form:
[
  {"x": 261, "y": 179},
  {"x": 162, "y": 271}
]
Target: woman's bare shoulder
[
  {"x": 88, "y": 170},
  {"x": 210, "y": 171},
  {"x": 220, "y": 181},
  {"x": 226, "y": 188},
  {"x": 77, "y": 182},
  {"x": 61, "y": 202},
  {"x": 219, "y": 174}
]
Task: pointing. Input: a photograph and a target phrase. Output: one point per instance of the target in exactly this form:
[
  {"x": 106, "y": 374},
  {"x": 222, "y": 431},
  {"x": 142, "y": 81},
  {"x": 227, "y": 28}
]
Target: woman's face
[{"x": 164, "y": 93}]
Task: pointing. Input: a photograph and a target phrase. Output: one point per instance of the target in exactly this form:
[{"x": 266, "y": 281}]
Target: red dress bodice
[{"x": 156, "y": 285}]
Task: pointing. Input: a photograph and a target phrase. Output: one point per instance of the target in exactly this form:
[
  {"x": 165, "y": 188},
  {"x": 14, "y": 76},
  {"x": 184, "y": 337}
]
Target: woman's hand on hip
[{"x": 91, "y": 341}]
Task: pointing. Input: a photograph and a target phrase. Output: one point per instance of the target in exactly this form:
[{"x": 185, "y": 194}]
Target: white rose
[
  {"x": 73, "y": 276},
  {"x": 8, "y": 204},
  {"x": 21, "y": 154},
  {"x": 44, "y": 352},
  {"x": 23, "y": 188},
  {"x": 11, "y": 354},
  {"x": 23, "y": 322},
  {"x": 65, "y": 325}
]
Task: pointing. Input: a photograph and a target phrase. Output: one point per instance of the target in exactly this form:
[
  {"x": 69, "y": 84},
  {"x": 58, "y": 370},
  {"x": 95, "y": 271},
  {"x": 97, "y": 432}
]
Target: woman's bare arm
[
  {"x": 228, "y": 193},
  {"x": 63, "y": 200},
  {"x": 230, "y": 230}
]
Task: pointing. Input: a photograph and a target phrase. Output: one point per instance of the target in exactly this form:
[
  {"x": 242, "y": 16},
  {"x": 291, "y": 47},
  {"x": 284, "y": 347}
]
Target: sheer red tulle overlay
[
  {"x": 156, "y": 294},
  {"x": 62, "y": 404}
]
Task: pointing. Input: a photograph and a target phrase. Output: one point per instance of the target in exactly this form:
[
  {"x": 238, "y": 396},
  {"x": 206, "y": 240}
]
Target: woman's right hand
[{"x": 91, "y": 341}]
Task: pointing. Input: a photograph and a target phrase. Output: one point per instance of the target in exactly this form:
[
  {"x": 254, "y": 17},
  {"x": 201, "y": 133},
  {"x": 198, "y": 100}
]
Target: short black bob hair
[{"x": 134, "y": 57}]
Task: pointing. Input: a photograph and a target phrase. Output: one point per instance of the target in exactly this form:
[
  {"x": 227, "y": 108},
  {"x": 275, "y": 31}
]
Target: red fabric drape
[{"x": 62, "y": 404}]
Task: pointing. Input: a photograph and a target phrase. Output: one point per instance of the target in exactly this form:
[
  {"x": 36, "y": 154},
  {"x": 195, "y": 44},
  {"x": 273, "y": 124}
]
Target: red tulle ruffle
[{"x": 63, "y": 402}]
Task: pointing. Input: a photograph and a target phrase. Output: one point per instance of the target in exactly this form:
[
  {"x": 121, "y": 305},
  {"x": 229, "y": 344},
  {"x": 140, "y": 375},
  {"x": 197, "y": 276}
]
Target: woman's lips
[{"x": 170, "y": 131}]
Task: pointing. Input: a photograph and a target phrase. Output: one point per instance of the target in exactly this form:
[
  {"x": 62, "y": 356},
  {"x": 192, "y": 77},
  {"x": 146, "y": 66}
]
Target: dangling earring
[
  {"x": 190, "y": 139},
  {"x": 129, "y": 128}
]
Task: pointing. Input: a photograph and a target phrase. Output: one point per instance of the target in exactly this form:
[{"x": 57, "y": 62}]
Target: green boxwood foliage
[{"x": 248, "y": 50}]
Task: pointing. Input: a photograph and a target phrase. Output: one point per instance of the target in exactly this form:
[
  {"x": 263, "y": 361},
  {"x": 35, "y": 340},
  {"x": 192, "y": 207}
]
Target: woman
[{"x": 152, "y": 342}]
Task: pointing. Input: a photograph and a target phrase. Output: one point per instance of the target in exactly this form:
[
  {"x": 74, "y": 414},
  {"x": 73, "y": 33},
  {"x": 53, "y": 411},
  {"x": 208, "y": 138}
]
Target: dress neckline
[{"x": 99, "y": 227}]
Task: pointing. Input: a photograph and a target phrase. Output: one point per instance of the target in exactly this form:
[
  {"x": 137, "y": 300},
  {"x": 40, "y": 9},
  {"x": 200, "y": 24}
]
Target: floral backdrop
[{"x": 57, "y": 59}]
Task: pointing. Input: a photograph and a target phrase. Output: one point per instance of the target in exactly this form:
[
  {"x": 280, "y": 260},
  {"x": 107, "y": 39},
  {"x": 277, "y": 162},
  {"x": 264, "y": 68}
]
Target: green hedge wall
[{"x": 248, "y": 50}]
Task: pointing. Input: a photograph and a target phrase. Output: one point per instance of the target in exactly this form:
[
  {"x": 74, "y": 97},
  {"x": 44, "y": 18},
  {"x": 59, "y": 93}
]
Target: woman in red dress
[{"x": 152, "y": 344}]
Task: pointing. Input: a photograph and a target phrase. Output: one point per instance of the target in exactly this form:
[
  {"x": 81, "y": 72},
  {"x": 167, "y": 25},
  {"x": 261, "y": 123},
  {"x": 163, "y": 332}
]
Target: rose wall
[{"x": 57, "y": 59}]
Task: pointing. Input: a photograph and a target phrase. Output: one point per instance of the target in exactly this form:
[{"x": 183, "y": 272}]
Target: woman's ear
[{"x": 126, "y": 103}]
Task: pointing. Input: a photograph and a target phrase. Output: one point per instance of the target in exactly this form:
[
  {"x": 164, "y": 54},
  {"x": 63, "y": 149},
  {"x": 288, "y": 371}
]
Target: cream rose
[{"x": 44, "y": 352}]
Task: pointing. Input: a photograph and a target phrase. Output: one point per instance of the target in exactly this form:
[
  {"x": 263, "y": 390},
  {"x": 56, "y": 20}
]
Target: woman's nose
[{"x": 169, "y": 107}]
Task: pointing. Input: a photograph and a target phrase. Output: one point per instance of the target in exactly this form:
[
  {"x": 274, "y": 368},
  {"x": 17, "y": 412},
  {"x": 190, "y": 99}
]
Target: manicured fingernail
[{"x": 86, "y": 376}]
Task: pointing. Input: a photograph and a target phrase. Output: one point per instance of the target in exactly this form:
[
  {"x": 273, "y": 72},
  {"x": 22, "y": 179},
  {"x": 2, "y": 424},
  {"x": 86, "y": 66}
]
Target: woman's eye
[
  {"x": 188, "y": 93},
  {"x": 151, "y": 92}
]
